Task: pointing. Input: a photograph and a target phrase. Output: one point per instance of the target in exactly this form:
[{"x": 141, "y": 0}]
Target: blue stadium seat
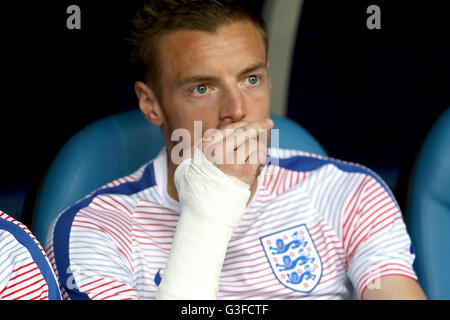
[
  {"x": 116, "y": 146},
  {"x": 429, "y": 211}
]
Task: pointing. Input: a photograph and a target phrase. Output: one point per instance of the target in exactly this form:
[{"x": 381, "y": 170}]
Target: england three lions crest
[{"x": 294, "y": 258}]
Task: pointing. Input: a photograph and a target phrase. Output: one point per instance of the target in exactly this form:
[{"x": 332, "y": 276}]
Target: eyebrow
[{"x": 204, "y": 78}]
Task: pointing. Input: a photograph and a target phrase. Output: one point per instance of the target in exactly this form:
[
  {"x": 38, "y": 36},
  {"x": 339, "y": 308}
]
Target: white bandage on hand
[{"x": 212, "y": 206}]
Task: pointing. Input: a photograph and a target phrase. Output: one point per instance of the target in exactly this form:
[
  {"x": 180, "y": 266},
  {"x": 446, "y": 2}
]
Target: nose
[{"x": 233, "y": 105}]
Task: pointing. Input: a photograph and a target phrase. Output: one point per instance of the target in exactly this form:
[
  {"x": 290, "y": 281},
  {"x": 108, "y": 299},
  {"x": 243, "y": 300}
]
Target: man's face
[{"x": 216, "y": 78}]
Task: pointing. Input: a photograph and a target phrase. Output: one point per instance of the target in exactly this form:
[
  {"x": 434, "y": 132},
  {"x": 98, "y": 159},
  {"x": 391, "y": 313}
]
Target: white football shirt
[
  {"x": 25, "y": 272},
  {"x": 316, "y": 228}
]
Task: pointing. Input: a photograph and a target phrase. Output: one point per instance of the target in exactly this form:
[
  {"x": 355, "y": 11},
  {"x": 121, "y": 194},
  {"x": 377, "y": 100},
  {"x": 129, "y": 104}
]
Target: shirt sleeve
[
  {"x": 89, "y": 260},
  {"x": 25, "y": 273},
  {"x": 375, "y": 237}
]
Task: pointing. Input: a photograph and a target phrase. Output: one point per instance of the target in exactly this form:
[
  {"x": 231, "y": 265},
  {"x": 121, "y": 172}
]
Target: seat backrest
[
  {"x": 114, "y": 147},
  {"x": 429, "y": 211}
]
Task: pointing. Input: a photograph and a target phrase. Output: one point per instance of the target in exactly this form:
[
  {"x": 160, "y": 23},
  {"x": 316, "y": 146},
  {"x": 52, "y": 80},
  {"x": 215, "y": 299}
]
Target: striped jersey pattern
[
  {"x": 316, "y": 228},
  {"x": 25, "y": 272}
]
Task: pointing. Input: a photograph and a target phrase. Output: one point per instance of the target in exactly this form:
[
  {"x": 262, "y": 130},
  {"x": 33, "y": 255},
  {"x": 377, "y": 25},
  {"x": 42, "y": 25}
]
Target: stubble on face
[{"x": 191, "y": 53}]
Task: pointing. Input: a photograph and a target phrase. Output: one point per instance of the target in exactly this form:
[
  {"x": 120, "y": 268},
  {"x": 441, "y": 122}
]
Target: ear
[{"x": 148, "y": 103}]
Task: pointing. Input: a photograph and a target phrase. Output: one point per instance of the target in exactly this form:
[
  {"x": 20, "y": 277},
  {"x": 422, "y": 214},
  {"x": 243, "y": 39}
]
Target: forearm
[{"x": 212, "y": 207}]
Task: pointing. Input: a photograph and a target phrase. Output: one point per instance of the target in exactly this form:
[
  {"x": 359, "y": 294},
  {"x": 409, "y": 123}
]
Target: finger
[
  {"x": 241, "y": 136},
  {"x": 215, "y": 135},
  {"x": 252, "y": 152},
  {"x": 231, "y": 152},
  {"x": 220, "y": 149},
  {"x": 219, "y": 154},
  {"x": 258, "y": 156}
]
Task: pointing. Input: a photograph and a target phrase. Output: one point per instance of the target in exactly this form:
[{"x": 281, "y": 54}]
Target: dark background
[
  {"x": 368, "y": 96},
  {"x": 371, "y": 96}
]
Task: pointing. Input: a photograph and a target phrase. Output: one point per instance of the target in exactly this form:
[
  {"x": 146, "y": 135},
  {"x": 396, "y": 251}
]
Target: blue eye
[
  {"x": 253, "y": 80},
  {"x": 200, "y": 90}
]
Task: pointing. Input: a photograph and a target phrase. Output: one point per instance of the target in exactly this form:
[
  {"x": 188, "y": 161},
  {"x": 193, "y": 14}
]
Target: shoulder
[
  {"x": 119, "y": 197},
  {"x": 310, "y": 163},
  {"x": 18, "y": 234},
  {"x": 10, "y": 250},
  {"x": 96, "y": 231},
  {"x": 23, "y": 258},
  {"x": 306, "y": 162},
  {"x": 102, "y": 217}
]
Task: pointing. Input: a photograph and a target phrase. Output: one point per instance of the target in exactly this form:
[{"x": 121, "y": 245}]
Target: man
[
  {"x": 191, "y": 225},
  {"x": 25, "y": 272}
]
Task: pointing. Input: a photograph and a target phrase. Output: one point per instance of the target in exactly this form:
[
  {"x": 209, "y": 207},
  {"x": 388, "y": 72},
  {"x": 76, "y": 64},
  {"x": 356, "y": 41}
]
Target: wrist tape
[{"x": 212, "y": 206}]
